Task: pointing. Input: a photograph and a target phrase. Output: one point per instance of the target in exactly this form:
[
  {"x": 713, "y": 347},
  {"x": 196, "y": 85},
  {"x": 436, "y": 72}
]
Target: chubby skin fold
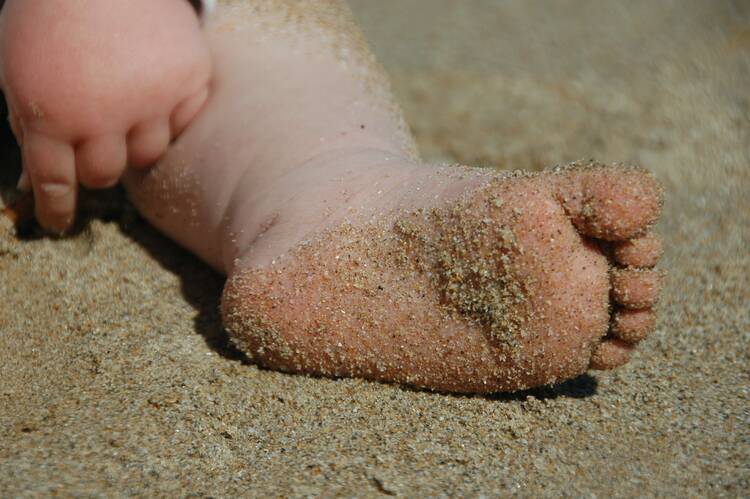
[{"x": 346, "y": 255}]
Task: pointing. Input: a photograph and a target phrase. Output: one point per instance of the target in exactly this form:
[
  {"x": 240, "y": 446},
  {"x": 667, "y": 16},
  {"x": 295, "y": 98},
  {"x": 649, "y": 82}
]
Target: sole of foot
[{"x": 507, "y": 287}]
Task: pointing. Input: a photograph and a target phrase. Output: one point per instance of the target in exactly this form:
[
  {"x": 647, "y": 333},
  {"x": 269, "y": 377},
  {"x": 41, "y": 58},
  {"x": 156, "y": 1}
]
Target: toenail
[{"x": 55, "y": 190}]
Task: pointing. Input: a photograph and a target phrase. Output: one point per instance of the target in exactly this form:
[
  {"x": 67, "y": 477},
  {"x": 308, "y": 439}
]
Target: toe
[
  {"x": 101, "y": 161},
  {"x": 641, "y": 252},
  {"x": 633, "y": 326},
  {"x": 609, "y": 354},
  {"x": 635, "y": 288},
  {"x": 147, "y": 142},
  {"x": 187, "y": 111},
  {"x": 611, "y": 203},
  {"x": 51, "y": 167}
]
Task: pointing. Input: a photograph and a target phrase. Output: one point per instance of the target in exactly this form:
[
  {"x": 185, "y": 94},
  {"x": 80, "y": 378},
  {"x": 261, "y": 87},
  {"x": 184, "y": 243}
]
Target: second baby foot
[{"x": 94, "y": 86}]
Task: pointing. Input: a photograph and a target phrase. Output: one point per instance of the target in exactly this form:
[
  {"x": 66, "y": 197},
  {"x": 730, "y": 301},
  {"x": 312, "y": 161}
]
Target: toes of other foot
[
  {"x": 101, "y": 161},
  {"x": 50, "y": 166},
  {"x": 186, "y": 111},
  {"x": 147, "y": 142},
  {"x": 635, "y": 288},
  {"x": 610, "y": 203}
]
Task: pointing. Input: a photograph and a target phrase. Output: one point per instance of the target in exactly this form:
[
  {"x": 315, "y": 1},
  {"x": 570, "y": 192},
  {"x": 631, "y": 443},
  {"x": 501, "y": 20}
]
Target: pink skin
[
  {"x": 94, "y": 86},
  {"x": 302, "y": 133},
  {"x": 296, "y": 139}
]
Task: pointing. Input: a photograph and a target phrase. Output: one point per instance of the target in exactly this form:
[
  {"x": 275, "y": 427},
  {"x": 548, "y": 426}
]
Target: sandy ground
[{"x": 115, "y": 377}]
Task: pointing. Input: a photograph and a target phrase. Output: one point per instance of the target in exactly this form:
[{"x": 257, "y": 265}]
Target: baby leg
[{"x": 347, "y": 256}]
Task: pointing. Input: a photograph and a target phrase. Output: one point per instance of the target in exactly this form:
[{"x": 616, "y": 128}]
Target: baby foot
[
  {"x": 92, "y": 86},
  {"x": 504, "y": 288},
  {"x": 346, "y": 257}
]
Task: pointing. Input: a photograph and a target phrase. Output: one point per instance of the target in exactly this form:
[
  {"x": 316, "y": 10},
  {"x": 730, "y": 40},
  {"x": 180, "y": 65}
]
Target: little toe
[
  {"x": 609, "y": 354},
  {"x": 147, "y": 142},
  {"x": 187, "y": 110},
  {"x": 641, "y": 252},
  {"x": 611, "y": 203},
  {"x": 101, "y": 161},
  {"x": 51, "y": 167},
  {"x": 635, "y": 288},
  {"x": 633, "y": 326}
]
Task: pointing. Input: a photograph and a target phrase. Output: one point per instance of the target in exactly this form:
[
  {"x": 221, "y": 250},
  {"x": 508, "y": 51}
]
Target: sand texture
[{"x": 116, "y": 377}]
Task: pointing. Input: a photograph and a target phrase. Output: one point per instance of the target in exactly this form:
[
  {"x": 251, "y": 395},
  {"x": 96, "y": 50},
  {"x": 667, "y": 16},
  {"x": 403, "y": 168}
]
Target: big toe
[{"x": 613, "y": 203}]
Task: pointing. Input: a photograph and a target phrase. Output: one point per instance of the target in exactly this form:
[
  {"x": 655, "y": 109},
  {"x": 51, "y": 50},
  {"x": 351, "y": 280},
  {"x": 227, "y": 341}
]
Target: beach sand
[{"x": 116, "y": 376}]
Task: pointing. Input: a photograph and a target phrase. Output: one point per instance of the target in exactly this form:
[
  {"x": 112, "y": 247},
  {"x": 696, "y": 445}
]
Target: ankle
[{"x": 349, "y": 185}]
